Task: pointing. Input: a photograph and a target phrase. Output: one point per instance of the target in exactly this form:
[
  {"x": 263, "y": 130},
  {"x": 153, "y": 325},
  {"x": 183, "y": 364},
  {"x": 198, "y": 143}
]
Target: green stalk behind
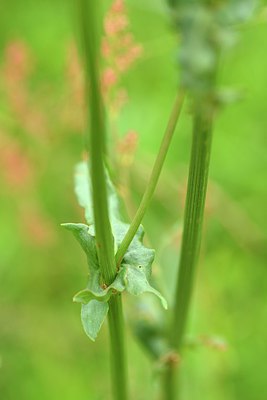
[
  {"x": 193, "y": 220},
  {"x": 194, "y": 211}
]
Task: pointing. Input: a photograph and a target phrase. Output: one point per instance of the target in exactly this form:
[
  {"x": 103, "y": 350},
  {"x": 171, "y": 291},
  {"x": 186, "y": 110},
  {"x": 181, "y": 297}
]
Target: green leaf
[
  {"x": 152, "y": 337},
  {"x": 135, "y": 270},
  {"x": 137, "y": 283},
  {"x": 93, "y": 315},
  {"x": 137, "y": 255},
  {"x": 87, "y": 242},
  {"x": 86, "y": 295},
  {"x": 83, "y": 191},
  {"x": 95, "y": 288}
]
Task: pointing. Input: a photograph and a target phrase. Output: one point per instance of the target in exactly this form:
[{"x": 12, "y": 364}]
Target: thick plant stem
[
  {"x": 151, "y": 186},
  {"x": 104, "y": 239},
  {"x": 194, "y": 211}
]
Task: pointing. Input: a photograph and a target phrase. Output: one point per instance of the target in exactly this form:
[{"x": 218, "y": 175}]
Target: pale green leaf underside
[
  {"x": 135, "y": 269},
  {"x": 93, "y": 315}
]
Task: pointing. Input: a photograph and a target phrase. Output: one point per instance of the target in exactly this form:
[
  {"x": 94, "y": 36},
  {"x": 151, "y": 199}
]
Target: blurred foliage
[{"x": 43, "y": 352}]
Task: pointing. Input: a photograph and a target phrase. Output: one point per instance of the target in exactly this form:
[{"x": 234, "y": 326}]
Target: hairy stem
[
  {"x": 104, "y": 239},
  {"x": 151, "y": 186},
  {"x": 194, "y": 211}
]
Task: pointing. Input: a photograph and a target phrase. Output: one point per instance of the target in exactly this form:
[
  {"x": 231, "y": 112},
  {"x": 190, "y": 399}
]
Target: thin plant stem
[
  {"x": 194, "y": 212},
  {"x": 151, "y": 186},
  {"x": 118, "y": 356},
  {"x": 191, "y": 240},
  {"x": 104, "y": 238},
  {"x": 97, "y": 134}
]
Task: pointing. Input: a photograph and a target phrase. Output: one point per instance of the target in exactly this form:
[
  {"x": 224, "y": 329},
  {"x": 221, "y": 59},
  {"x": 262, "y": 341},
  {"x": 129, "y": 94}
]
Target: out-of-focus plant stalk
[
  {"x": 194, "y": 211},
  {"x": 104, "y": 239},
  {"x": 198, "y": 25},
  {"x": 191, "y": 240}
]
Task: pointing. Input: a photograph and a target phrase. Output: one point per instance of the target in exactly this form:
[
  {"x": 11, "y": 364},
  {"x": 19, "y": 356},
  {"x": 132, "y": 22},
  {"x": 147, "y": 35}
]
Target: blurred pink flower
[
  {"x": 18, "y": 62},
  {"x": 109, "y": 78},
  {"x": 36, "y": 229},
  {"x": 75, "y": 75},
  {"x": 16, "y": 167},
  {"x": 128, "y": 143},
  {"x": 126, "y": 148},
  {"x": 72, "y": 108},
  {"x": 119, "y": 51},
  {"x": 16, "y": 71},
  {"x": 115, "y": 24},
  {"x": 118, "y": 6}
]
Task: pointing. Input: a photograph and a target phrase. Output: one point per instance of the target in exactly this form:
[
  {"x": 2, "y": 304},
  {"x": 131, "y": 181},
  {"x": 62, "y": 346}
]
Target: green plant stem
[
  {"x": 118, "y": 367},
  {"x": 170, "y": 382},
  {"x": 97, "y": 134},
  {"x": 194, "y": 211},
  {"x": 104, "y": 238},
  {"x": 151, "y": 186}
]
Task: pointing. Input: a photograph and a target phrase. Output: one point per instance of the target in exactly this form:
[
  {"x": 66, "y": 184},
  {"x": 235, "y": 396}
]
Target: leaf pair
[{"x": 135, "y": 269}]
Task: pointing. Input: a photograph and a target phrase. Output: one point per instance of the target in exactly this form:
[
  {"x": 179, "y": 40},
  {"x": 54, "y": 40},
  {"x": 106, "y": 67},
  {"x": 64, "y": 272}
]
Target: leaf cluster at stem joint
[{"x": 134, "y": 273}]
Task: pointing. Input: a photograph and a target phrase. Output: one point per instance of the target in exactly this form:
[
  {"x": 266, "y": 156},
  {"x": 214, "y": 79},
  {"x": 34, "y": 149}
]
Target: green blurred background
[{"x": 44, "y": 353}]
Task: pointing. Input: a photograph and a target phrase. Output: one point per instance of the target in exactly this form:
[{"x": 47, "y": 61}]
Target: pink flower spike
[
  {"x": 105, "y": 48},
  {"x": 109, "y": 78},
  {"x": 118, "y": 6}
]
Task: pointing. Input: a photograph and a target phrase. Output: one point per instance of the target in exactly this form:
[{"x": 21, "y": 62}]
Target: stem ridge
[{"x": 191, "y": 239}]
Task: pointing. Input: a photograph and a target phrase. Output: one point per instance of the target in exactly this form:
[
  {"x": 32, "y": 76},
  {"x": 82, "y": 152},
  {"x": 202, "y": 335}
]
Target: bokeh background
[{"x": 44, "y": 353}]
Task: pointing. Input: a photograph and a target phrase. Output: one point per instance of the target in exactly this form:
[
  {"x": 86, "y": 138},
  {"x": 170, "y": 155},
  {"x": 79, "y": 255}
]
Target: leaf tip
[
  {"x": 67, "y": 225},
  {"x": 164, "y": 303}
]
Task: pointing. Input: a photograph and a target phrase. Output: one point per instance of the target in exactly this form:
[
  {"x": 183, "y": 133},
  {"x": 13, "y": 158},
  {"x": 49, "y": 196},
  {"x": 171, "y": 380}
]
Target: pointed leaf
[
  {"x": 86, "y": 295},
  {"x": 83, "y": 190},
  {"x": 137, "y": 283},
  {"x": 93, "y": 315},
  {"x": 87, "y": 241}
]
